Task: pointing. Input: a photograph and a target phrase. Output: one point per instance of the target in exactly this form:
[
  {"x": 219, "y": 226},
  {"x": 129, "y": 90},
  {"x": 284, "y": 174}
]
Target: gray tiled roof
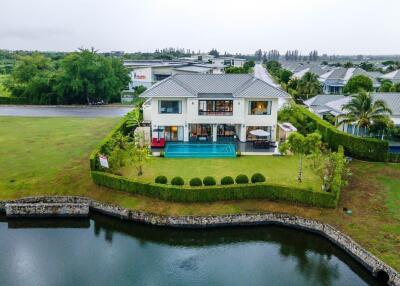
[
  {"x": 195, "y": 69},
  {"x": 394, "y": 76},
  {"x": 191, "y": 85}
]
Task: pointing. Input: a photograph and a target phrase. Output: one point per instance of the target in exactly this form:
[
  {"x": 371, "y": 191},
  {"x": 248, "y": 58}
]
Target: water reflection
[{"x": 100, "y": 249}]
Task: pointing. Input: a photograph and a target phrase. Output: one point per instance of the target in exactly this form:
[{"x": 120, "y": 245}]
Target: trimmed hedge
[
  {"x": 161, "y": 180},
  {"x": 217, "y": 193},
  {"x": 177, "y": 181},
  {"x": 358, "y": 147},
  {"x": 196, "y": 182},
  {"x": 13, "y": 100},
  {"x": 209, "y": 181},
  {"x": 94, "y": 156},
  {"x": 257, "y": 178},
  {"x": 227, "y": 180},
  {"x": 241, "y": 179}
]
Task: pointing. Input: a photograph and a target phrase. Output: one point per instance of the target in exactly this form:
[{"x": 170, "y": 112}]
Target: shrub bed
[
  {"x": 195, "y": 182},
  {"x": 209, "y": 181},
  {"x": 257, "y": 178},
  {"x": 216, "y": 193},
  {"x": 358, "y": 147},
  {"x": 13, "y": 100},
  {"x": 227, "y": 180},
  {"x": 161, "y": 180},
  {"x": 177, "y": 181},
  {"x": 241, "y": 179}
]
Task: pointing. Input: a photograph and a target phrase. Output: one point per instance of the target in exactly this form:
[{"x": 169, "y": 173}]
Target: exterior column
[
  {"x": 242, "y": 136},
  {"x": 186, "y": 133},
  {"x": 214, "y": 132}
]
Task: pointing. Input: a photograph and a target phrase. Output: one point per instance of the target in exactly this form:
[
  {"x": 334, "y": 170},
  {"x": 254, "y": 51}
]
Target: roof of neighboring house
[
  {"x": 196, "y": 69},
  {"x": 214, "y": 85},
  {"x": 327, "y": 103},
  {"x": 394, "y": 76},
  {"x": 340, "y": 76},
  {"x": 312, "y": 69}
]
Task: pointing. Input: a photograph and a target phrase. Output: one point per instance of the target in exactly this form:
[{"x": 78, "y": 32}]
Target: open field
[
  {"x": 277, "y": 170},
  {"x": 49, "y": 156}
]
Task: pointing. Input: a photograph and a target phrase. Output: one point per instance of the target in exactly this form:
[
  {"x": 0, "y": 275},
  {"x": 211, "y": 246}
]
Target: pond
[{"x": 107, "y": 251}]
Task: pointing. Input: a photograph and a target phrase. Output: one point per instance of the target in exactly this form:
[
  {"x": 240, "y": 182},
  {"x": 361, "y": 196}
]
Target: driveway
[
  {"x": 261, "y": 73},
  {"x": 64, "y": 111}
]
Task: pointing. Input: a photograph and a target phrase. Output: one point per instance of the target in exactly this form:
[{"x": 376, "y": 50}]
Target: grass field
[
  {"x": 279, "y": 170},
  {"x": 49, "y": 156}
]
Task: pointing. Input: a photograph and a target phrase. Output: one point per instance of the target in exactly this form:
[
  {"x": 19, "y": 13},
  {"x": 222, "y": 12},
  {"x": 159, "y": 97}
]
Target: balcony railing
[{"x": 215, "y": 113}]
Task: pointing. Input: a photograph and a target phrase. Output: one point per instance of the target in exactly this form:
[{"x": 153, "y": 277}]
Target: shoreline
[{"x": 374, "y": 265}]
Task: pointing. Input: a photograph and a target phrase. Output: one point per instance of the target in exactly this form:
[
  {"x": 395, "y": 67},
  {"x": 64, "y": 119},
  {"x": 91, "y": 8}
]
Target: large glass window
[
  {"x": 216, "y": 107},
  {"x": 260, "y": 107},
  {"x": 169, "y": 106}
]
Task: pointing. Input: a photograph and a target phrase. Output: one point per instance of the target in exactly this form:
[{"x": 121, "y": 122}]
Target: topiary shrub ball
[
  {"x": 195, "y": 182},
  {"x": 227, "y": 180},
  {"x": 257, "y": 178},
  {"x": 177, "y": 181},
  {"x": 161, "y": 180},
  {"x": 242, "y": 179},
  {"x": 209, "y": 181}
]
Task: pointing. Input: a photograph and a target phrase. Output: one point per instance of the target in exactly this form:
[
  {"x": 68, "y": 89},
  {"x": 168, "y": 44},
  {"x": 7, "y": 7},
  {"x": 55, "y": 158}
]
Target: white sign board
[{"x": 103, "y": 161}]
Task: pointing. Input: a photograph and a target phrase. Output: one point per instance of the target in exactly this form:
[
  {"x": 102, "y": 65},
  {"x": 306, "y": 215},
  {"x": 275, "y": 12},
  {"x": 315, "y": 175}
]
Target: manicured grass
[
  {"x": 279, "y": 170},
  {"x": 49, "y": 156}
]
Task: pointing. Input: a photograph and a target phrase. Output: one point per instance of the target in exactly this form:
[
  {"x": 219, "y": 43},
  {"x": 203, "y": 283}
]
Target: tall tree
[
  {"x": 358, "y": 83},
  {"x": 363, "y": 111},
  {"x": 308, "y": 85}
]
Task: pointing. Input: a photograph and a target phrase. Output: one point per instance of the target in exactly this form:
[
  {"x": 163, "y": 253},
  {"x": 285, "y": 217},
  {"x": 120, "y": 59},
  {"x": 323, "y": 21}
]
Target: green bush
[
  {"x": 209, "y": 181},
  {"x": 257, "y": 178},
  {"x": 242, "y": 179},
  {"x": 161, "y": 180},
  {"x": 358, "y": 147},
  {"x": 217, "y": 193},
  {"x": 227, "y": 180},
  {"x": 195, "y": 182},
  {"x": 177, "y": 181},
  {"x": 13, "y": 100}
]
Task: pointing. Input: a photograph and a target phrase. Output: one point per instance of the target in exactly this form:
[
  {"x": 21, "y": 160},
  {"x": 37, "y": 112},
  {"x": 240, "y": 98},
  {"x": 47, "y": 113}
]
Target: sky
[{"x": 332, "y": 26}]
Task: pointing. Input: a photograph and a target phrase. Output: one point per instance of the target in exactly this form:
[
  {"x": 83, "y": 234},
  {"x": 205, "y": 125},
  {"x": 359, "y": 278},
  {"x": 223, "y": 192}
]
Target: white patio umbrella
[{"x": 260, "y": 133}]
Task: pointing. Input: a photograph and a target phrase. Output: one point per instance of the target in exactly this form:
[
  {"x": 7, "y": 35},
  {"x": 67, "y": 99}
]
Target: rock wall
[
  {"x": 369, "y": 261},
  {"x": 47, "y": 210}
]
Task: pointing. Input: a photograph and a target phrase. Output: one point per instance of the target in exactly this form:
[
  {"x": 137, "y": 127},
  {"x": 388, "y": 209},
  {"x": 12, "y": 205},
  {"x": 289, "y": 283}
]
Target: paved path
[
  {"x": 59, "y": 111},
  {"x": 261, "y": 73}
]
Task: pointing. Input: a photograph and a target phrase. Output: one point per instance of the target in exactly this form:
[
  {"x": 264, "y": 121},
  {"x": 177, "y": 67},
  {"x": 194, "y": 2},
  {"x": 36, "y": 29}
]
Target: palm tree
[
  {"x": 309, "y": 85},
  {"x": 364, "y": 111}
]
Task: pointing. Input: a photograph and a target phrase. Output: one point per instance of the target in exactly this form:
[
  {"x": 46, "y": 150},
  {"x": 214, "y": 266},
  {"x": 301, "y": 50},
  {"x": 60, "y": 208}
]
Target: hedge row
[
  {"x": 94, "y": 156},
  {"x": 361, "y": 148},
  {"x": 217, "y": 193},
  {"x": 13, "y": 100}
]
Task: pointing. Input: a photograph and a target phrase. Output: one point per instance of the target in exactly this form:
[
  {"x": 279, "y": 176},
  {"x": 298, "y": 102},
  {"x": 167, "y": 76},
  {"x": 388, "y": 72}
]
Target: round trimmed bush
[
  {"x": 177, "y": 181},
  {"x": 227, "y": 180},
  {"x": 242, "y": 179},
  {"x": 257, "y": 178},
  {"x": 195, "y": 182},
  {"x": 209, "y": 181},
  {"x": 161, "y": 180}
]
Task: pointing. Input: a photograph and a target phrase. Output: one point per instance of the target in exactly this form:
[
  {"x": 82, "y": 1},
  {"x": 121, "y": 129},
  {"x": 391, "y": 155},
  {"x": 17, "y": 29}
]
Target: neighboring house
[
  {"x": 393, "y": 76},
  {"x": 315, "y": 69},
  {"x": 327, "y": 104},
  {"x": 334, "y": 80},
  {"x": 149, "y": 72},
  {"x": 188, "y": 107},
  {"x": 228, "y": 61}
]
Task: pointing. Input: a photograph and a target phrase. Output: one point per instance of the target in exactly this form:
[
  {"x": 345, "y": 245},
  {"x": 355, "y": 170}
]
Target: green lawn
[
  {"x": 279, "y": 170},
  {"x": 49, "y": 156},
  {"x": 45, "y": 155}
]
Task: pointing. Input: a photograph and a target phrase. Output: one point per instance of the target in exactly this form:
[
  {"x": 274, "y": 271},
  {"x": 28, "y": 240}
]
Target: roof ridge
[
  {"x": 185, "y": 86},
  {"x": 243, "y": 86}
]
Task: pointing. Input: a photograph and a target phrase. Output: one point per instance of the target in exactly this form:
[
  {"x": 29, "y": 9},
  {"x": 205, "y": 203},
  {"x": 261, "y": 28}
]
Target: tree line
[{"x": 81, "y": 77}]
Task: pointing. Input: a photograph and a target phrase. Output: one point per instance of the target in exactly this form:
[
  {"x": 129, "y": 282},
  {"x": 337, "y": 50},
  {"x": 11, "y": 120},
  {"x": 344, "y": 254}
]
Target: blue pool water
[
  {"x": 394, "y": 149},
  {"x": 193, "y": 150}
]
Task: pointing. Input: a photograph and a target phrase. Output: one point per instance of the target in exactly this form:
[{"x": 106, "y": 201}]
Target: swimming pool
[
  {"x": 394, "y": 149},
  {"x": 194, "y": 150}
]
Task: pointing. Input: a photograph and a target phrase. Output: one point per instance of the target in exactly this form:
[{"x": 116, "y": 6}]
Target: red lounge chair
[{"x": 158, "y": 143}]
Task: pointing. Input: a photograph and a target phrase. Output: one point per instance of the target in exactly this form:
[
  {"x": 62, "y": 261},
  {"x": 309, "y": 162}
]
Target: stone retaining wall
[
  {"x": 369, "y": 261},
  {"x": 47, "y": 209}
]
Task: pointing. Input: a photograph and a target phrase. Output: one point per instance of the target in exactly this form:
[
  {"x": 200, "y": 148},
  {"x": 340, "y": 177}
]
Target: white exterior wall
[
  {"x": 141, "y": 76},
  {"x": 189, "y": 115}
]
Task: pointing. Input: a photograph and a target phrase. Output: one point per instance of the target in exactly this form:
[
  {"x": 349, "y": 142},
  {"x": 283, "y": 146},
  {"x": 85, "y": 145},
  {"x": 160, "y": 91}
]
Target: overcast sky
[{"x": 331, "y": 26}]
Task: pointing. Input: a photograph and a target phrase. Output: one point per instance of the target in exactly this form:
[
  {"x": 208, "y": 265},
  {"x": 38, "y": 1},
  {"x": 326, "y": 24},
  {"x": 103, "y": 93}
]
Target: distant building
[
  {"x": 228, "y": 61},
  {"x": 334, "y": 80},
  {"x": 393, "y": 76}
]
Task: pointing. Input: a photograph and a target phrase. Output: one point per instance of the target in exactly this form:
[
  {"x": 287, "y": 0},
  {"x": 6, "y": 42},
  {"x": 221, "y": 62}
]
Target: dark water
[{"x": 106, "y": 251}]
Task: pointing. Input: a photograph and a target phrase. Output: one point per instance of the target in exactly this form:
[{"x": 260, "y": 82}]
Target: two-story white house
[{"x": 191, "y": 107}]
